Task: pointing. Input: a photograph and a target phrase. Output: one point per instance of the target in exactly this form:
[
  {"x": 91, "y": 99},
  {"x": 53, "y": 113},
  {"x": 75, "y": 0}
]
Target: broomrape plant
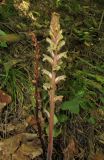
[{"x": 54, "y": 58}]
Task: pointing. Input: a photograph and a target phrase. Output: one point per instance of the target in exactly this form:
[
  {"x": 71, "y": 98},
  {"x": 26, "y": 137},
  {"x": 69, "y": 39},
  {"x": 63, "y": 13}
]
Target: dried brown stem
[{"x": 37, "y": 90}]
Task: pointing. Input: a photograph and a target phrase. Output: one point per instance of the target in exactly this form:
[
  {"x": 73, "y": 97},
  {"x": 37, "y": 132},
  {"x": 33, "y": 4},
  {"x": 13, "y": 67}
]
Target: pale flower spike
[
  {"x": 56, "y": 42},
  {"x": 48, "y": 58},
  {"x": 47, "y": 73}
]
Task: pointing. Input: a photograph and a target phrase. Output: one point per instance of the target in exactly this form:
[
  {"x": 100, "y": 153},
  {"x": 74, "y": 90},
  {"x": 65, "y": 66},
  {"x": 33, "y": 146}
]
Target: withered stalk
[{"x": 37, "y": 87}]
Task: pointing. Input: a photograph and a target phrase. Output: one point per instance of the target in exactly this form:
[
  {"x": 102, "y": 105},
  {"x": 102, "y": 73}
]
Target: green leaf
[
  {"x": 2, "y": 44},
  {"x": 94, "y": 84},
  {"x": 2, "y": 33},
  {"x": 62, "y": 118},
  {"x": 91, "y": 120},
  {"x": 72, "y": 105},
  {"x": 84, "y": 105},
  {"x": 102, "y": 107},
  {"x": 8, "y": 65},
  {"x": 102, "y": 99},
  {"x": 56, "y": 131},
  {"x": 100, "y": 78},
  {"x": 55, "y": 119}
]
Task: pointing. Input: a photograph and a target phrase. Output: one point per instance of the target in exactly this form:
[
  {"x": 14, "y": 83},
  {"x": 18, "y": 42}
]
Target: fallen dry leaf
[
  {"x": 71, "y": 150},
  {"x": 31, "y": 120},
  {"x": 19, "y": 147},
  {"x": 2, "y": 2},
  {"x": 13, "y": 128},
  {"x": 19, "y": 156},
  {"x": 5, "y": 99},
  {"x": 98, "y": 156},
  {"x": 30, "y": 150},
  {"x": 101, "y": 138}
]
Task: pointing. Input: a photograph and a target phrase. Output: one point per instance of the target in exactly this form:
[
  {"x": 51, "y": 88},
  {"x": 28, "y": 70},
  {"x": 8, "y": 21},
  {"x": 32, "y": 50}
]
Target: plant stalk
[
  {"x": 51, "y": 119},
  {"x": 56, "y": 42},
  {"x": 37, "y": 90}
]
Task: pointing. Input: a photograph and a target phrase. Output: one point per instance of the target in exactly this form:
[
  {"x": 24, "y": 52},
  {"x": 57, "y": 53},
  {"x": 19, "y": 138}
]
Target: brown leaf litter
[{"x": 24, "y": 146}]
